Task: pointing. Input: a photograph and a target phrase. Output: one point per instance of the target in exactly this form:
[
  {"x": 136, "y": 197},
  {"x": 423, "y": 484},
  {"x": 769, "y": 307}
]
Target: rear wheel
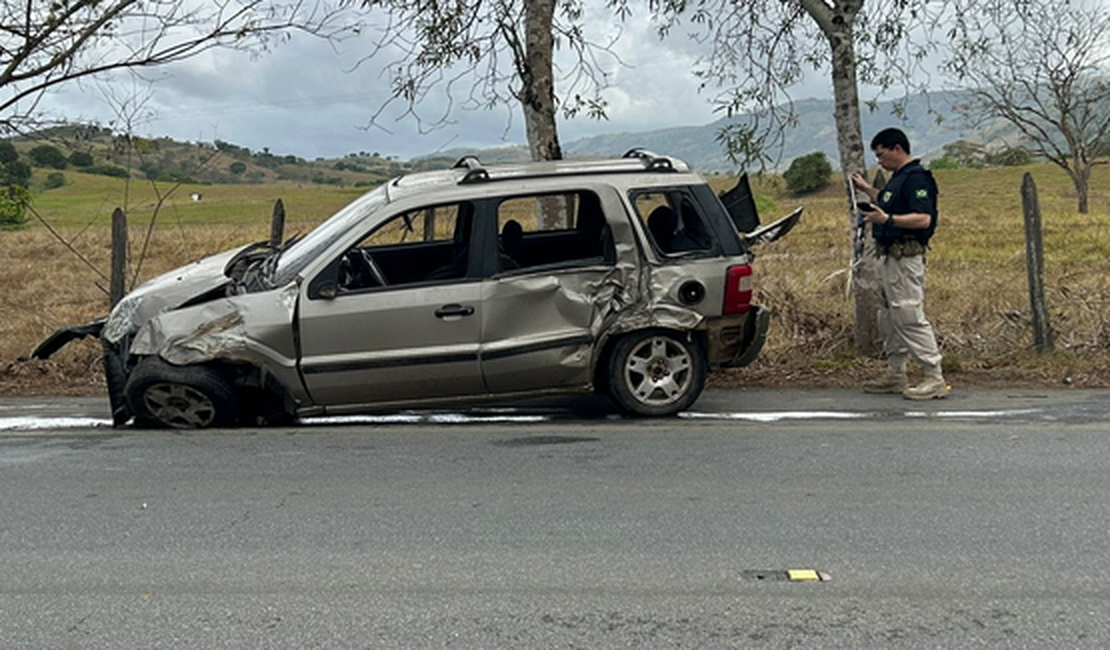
[
  {"x": 179, "y": 397},
  {"x": 656, "y": 373}
]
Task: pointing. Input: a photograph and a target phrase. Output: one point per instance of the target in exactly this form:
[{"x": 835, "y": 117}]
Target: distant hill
[
  {"x": 167, "y": 160},
  {"x": 928, "y": 120},
  {"x": 815, "y": 131}
]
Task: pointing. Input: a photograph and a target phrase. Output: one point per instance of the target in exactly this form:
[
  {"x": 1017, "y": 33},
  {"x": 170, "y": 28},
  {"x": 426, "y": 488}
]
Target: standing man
[{"x": 903, "y": 216}]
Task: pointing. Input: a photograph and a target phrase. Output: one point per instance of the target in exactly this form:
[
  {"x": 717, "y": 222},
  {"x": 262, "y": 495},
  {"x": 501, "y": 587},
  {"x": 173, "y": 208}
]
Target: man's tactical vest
[{"x": 899, "y": 196}]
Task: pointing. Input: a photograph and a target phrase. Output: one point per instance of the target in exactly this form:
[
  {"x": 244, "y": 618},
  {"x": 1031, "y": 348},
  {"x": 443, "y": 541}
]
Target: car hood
[{"x": 166, "y": 292}]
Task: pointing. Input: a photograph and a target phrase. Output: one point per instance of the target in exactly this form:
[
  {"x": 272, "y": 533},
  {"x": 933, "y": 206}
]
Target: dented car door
[
  {"x": 395, "y": 331},
  {"x": 541, "y": 310},
  {"x": 393, "y": 345}
]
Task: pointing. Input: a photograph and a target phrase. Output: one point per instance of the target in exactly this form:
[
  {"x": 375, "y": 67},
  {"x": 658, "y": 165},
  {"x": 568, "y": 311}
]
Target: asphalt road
[{"x": 977, "y": 521}]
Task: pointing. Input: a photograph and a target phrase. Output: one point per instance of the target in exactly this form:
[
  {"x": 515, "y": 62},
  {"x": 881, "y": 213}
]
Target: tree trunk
[
  {"x": 537, "y": 92},
  {"x": 836, "y": 23},
  {"x": 1082, "y": 182}
]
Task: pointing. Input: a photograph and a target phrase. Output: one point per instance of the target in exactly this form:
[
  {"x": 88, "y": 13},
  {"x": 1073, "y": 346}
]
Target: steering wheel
[{"x": 366, "y": 270}]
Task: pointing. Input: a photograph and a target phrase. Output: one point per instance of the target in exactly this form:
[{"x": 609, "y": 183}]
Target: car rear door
[{"x": 540, "y": 308}]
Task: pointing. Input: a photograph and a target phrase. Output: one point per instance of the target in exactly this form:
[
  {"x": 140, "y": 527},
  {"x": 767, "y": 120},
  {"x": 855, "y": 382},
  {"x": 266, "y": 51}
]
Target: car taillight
[{"x": 738, "y": 290}]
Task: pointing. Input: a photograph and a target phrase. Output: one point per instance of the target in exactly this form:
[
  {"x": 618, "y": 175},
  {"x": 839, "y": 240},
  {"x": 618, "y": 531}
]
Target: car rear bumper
[{"x": 735, "y": 342}]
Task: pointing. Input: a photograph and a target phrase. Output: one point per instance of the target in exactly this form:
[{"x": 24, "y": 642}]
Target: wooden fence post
[
  {"x": 1043, "y": 338},
  {"x": 117, "y": 281},
  {"x": 429, "y": 224},
  {"x": 277, "y": 224}
]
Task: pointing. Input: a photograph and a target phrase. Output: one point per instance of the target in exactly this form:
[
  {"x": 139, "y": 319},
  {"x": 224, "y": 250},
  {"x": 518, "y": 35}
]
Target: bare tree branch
[
  {"x": 45, "y": 44},
  {"x": 1043, "y": 67}
]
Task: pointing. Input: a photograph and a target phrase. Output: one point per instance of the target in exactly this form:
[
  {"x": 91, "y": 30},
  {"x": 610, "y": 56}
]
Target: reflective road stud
[{"x": 802, "y": 575}]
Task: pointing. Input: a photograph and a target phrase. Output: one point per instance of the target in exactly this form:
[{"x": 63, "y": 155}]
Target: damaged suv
[{"x": 627, "y": 276}]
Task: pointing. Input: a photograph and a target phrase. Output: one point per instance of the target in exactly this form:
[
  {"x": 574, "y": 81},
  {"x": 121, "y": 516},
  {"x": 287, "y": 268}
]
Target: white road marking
[
  {"x": 30, "y": 423},
  {"x": 34, "y": 423}
]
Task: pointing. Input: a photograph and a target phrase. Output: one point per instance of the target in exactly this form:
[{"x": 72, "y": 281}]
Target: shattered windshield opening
[{"x": 297, "y": 254}]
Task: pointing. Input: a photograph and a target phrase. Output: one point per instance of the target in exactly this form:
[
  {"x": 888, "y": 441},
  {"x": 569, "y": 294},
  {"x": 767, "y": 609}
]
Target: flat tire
[{"x": 179, "y": 397}]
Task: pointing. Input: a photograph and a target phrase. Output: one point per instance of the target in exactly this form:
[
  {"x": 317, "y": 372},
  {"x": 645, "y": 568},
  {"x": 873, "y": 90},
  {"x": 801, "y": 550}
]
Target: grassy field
[{"x": 976, "y": 298}]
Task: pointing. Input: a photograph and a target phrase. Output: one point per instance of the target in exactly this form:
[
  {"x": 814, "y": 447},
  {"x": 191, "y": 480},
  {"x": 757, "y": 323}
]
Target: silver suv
[{"x": 627, "y": 276}]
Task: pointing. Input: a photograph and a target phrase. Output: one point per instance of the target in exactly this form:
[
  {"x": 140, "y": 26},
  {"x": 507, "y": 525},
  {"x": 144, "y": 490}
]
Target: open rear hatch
[{"x": 740, "y": 204}]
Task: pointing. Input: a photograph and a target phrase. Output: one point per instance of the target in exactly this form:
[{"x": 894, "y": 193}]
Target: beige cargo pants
[{"x": 901, "y": 315}]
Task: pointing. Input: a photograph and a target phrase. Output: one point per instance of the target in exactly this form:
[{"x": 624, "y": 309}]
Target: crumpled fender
[
  {"x": 165, "y": 293},
  {"x": 253, "y": 328},
  {"x": 215, "y": 330},
  {"x": 639, "y": 310}
]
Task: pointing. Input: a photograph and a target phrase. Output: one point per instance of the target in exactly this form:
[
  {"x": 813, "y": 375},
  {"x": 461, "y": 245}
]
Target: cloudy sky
[{"x": 308, "y": 98}]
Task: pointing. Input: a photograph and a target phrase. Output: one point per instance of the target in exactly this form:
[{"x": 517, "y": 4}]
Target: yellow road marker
[{"x": 802, "y": 575}]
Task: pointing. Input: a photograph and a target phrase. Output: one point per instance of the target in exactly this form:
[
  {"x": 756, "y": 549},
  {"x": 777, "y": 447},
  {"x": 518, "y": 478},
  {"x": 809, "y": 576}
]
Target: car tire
[
  {"x": 656, "y": 373},
  {"x": 179, "y": 397}
]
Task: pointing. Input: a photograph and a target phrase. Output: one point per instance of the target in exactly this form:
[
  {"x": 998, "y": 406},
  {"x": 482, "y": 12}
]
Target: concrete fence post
[
  {"x": 277, "y": 224},
  {"x": 117, "y": 280},
  {"x": 1043, "y": 338}
]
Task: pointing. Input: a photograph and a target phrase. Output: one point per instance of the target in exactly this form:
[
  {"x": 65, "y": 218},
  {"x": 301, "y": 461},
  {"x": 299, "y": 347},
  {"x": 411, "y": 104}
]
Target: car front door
[{"x": 397, "y": 318}]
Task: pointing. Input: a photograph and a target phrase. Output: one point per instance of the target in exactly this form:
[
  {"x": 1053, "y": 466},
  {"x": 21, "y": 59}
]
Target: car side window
[
  {"x": 673, "y": 219},
  {"x": 426, "y": 244},
  {"x": 553, "y": 230}
]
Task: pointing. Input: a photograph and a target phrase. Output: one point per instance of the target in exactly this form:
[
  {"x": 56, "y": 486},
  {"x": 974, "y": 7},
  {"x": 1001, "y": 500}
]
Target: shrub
[
  {"x": 13, "y": 207},
  {"x": 45, "y": 155},
  {"x": 1010, "y": 157},
  {"x": 16, "y": 173},
  {"x": 108, "y": 170},
  {"x": 81, "y": 159},
  {"x": 944, "y": 162},
  {"x": 808, "y": 173},
  {"x": 8, "y": 154},
  {"x": 237, "y": 168},
  {"x": 965, "y": 153},
  {"x": 54, "y": 180}
]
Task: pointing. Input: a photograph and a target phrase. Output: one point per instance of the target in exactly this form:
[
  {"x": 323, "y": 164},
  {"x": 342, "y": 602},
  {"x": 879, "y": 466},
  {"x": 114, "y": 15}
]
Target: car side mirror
[{"x": 326, "y": 284}]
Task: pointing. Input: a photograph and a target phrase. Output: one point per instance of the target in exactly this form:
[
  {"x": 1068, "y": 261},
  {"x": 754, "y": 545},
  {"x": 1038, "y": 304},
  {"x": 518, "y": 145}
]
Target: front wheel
[
  {"x": 179, "y": 397},
  {"x": 656, "y": 373}
]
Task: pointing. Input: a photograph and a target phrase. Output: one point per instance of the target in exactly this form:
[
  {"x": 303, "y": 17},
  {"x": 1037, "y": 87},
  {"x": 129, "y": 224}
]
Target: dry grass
[{"x": 977, "y": 297}]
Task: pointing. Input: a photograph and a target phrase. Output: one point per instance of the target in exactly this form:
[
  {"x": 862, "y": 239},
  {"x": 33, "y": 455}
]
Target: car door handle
[{"x": 454, "y": 311}]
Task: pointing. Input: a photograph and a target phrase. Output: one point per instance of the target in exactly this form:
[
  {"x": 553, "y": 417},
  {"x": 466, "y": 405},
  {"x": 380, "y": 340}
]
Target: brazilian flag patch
[{"x": 922, "y": 193}]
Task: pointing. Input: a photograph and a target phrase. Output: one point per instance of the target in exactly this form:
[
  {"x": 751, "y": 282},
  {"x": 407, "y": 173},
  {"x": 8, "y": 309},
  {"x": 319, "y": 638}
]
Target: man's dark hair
[{"x": 890, "y": 137}]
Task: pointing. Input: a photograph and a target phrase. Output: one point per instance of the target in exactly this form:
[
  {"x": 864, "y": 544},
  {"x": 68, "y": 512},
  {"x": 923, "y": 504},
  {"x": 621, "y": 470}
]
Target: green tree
[
  {"x": 54, "y": 180},
  {"x": 1010, "y": 157},
  {"x": 13, "y": 171},
  {"x": 808, "y": 173},
  {"x": 944, "y": 162},
  {"x": 237, "y": 167},
  {"x": 46, "y": 155},
  {"x": 966, "y": 154},
  {"x": 8, "y": 154},
  {"x": 81, "y": 159},
  {"x": 13, "y": 207}
]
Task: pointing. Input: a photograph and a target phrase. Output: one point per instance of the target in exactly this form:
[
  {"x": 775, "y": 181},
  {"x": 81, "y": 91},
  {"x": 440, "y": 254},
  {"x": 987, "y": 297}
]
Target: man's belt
[{"x": 903, "y": 248}]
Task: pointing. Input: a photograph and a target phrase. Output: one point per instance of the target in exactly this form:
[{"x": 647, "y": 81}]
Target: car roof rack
[
  {"x": 650, "y": 159},
  {"x": 476, "y": 173},
  {"x": 634, "y": 160}
]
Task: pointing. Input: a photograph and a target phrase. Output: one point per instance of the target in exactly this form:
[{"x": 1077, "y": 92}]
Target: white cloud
[{"x": 307, "y": 97}]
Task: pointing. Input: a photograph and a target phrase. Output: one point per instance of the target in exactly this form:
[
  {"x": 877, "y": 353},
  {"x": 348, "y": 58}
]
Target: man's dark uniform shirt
[{"x": 911, "y": 189}]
